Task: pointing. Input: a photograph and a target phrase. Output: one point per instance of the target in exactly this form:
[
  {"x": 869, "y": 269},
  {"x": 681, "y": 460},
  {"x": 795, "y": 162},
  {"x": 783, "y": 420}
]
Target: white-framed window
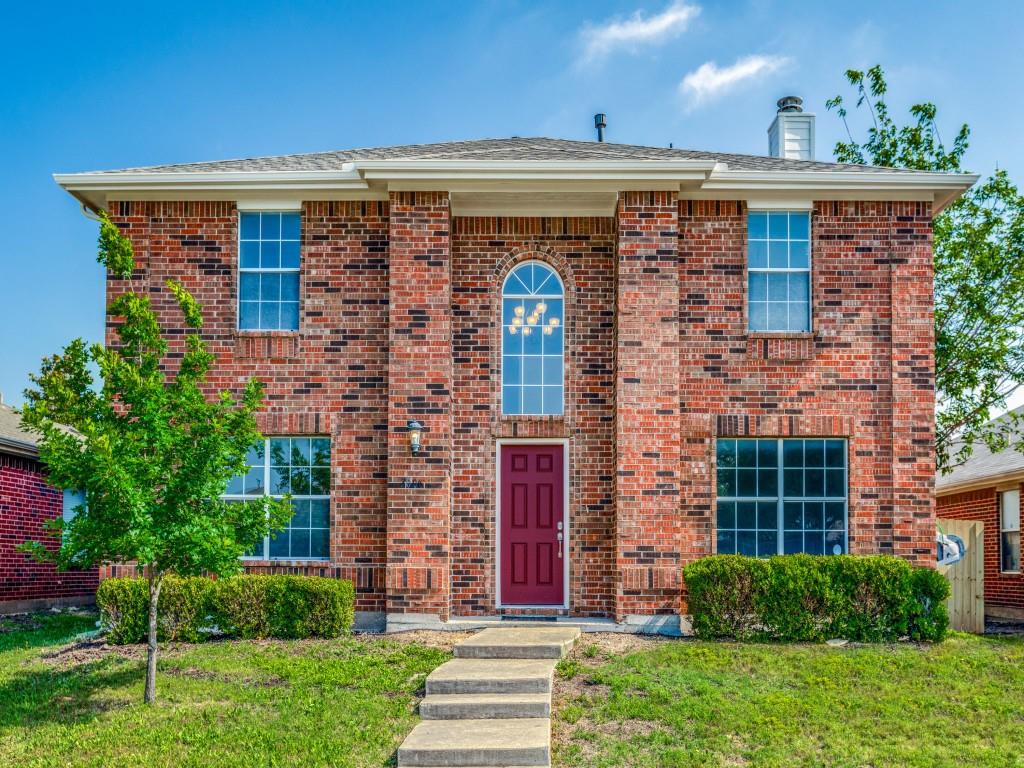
[
  {"x": 300, "y": 466},
  {"x": 268, "y": 270},
  {"x": 779, "y": 271},
  {"x": 1009, "y": 531},
  {"x": 781, "y": 496},
  {"x": 532, "y": 341}
]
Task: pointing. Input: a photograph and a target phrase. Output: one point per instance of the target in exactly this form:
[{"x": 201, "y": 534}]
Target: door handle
[{"x": 560, "y": 538}]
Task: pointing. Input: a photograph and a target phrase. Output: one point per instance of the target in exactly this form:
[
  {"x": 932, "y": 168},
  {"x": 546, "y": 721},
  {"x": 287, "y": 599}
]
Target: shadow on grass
[{"x": 65, "y": 695}]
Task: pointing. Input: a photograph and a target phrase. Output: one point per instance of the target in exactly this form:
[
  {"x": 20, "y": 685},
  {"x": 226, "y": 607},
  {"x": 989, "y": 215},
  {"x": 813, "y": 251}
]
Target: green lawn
[
  {"x": 310, "y": 703},
  {"x": 688, "y": 703},
  {"x": 620, "y": 701}
]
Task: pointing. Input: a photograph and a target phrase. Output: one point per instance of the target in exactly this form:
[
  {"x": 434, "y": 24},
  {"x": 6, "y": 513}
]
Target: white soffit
[{"x": 532, "y": 187}]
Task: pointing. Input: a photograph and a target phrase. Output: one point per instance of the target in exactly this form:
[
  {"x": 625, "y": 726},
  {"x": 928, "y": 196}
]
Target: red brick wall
[
  {"x": 581, "y": 250},
  {"x": 362, "y": 365},
  {"x": 330, "y": 378},
  {"x": 647, "y": 400},
  {"x": 26, "y": 503},
  {"x": 419, "y": 388},
  {"x": 835, "y": 381},
  {"x": 1001, "y": 589}
]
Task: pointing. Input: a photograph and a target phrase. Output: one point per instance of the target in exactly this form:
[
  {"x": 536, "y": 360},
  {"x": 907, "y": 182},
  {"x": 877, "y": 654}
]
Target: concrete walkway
[{"x": 491, "y": 704}]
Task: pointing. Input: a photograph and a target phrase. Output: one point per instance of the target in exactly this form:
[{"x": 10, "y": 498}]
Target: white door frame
[{"x": 566, "y": 549}]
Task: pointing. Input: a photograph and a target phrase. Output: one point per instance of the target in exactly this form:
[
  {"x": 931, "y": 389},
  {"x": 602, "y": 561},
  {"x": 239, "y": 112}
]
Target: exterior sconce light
[{"x": 415, "y": 437}]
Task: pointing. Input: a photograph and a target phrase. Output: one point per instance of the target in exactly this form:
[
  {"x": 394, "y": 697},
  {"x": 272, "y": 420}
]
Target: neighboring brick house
[
  {"x": 587, "y": 334},
  {"x": 26, "y": 503},
  {"x": 988, "y": 487}
]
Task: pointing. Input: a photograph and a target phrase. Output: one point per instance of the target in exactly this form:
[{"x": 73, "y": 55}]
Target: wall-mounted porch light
[{"x": 415, "y": 436}]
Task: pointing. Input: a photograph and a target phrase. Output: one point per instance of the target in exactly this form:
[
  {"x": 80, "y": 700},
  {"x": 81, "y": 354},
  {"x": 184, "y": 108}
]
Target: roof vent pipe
[{"x": 600, "y": 123}]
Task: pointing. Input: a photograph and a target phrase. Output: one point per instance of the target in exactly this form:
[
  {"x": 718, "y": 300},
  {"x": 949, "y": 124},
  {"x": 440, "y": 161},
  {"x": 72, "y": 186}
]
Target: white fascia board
[
  {"x": 939, "y": 188},
  {"x": 139, "y": 180}
]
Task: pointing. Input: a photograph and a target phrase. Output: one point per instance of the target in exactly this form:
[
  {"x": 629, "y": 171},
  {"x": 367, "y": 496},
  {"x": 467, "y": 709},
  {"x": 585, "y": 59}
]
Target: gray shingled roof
[
  {"x": 984, "y": 465},
  {"x": 13, "y": 439},
  {"x": 514, "y": 148}
]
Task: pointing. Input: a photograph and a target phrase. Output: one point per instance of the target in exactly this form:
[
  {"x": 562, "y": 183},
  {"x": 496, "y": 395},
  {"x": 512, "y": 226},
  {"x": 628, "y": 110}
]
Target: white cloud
[
  {"x": 602, "y": 39},
  {"x": 709, "y": 81}
]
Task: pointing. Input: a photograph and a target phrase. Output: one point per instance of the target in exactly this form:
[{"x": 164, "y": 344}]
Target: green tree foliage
[
  {"x": 979, "y": 272},
  {"x": 151, "y": 451}
]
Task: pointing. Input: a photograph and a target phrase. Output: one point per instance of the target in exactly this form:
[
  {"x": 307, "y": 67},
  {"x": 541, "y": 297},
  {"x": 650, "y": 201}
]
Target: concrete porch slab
[{"x": 519, "y": 642}]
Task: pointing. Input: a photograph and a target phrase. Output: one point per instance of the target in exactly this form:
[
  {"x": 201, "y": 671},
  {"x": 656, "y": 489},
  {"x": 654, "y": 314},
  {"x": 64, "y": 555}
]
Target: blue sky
[{"x": 111, "y": 85}]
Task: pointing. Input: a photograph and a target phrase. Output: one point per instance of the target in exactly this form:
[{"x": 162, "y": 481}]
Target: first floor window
[
  {"x": 781, "y": 496},
  {"x": 300, "y": 466},
  {"x": 1009, "y": 531}
]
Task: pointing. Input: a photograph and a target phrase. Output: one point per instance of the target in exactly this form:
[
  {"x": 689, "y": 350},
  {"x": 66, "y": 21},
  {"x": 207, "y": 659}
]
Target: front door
[{"x": 532, "y": 533}]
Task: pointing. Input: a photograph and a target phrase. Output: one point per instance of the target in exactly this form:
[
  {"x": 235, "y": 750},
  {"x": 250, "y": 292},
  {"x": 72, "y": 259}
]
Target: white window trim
[
  {"x": 787, "y": 208},
  {"x": 780, "y": 499},
  {"x": 265, "y": 270},
  {"x": 560, "y": 296},
  {"x": 265, "y": 557},
  {"x": 1003, "y": 529}
]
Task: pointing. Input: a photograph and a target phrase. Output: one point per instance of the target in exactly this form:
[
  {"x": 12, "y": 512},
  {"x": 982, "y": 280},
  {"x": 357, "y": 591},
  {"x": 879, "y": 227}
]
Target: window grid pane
[
  {"x": 532, "y": 319},
  {"x": 755, "y": 516},
  {"x": 1009, "y": 531},
  {"x": 778, "y": 271},
  {"x": 300, "y": 466},
  {"x": 268, "y": 286}
]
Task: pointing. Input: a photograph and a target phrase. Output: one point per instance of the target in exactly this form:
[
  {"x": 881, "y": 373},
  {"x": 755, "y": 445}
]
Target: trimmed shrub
[
  {"x": 182, "y": 610},
  {"x": 283, "y": 606},
  {"x": 809, "y": 598},
  {"x": 242, "y": 606},
  {"x": 124, "y": 609}
]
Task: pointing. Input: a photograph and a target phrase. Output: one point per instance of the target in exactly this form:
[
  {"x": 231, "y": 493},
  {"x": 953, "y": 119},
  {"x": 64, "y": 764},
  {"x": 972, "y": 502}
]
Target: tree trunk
[{"x": 155, "y": 582}]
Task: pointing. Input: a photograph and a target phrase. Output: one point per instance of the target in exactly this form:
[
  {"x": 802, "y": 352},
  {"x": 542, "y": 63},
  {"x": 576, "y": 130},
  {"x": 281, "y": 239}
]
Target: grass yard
[
  {"x": 643, "y": 702},
  {"x": 303, "y": 703}
]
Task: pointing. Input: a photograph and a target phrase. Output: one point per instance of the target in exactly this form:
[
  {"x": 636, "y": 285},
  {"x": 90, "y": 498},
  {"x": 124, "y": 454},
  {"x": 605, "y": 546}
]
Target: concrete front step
[
  {"x": 478, "y": 743},
  {"x": 485, "y": 706},
  {"x": 487, "y": 676},
  {"x": 519, "y": 643}
]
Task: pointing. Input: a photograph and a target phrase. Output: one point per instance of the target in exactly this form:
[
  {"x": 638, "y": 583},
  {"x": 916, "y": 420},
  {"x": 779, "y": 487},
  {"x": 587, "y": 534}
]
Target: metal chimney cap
[
  {"x": 600, "y": 120},
  {"x": 790, "y": 104}
]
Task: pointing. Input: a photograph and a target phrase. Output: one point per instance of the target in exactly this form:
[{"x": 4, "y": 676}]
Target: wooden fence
[{"x": 967, "y": 577}]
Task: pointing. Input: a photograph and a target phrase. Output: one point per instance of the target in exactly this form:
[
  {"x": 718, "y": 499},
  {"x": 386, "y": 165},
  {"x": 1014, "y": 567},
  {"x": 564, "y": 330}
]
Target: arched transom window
[{"x": 532, "y": 341}]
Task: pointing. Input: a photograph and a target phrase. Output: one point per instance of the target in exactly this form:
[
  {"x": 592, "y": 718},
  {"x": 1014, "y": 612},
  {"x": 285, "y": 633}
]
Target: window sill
[
  {"x": 263, "y": 563},
  {"x": 780, "y": 347},
  {"x": 780, "y": 334},
  {"x": 264, "y": 345}
]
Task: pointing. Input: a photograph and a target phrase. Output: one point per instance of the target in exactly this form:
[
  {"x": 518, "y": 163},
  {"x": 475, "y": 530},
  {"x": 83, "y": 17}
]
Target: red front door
[{"x": 532, "y": 533}]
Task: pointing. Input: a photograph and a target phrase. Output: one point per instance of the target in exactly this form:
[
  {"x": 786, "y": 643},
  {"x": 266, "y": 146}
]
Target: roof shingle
[{"x": 515, "y": 148}]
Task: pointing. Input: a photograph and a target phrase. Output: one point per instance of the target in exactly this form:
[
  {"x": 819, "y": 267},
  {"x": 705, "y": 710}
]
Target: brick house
[
  {"x": 987, "y": 488},
  {"x": 540, "y": 376},
  {"x": 26, "y": 503}
]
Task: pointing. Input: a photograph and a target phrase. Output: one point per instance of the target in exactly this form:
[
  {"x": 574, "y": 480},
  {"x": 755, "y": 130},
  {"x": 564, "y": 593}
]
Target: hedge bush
[
  {"x": 876, "y": 598},
  {"x": 242, "y": 606}
]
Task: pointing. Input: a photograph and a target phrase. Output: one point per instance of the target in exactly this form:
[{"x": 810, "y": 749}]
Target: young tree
[
  {"x": 150, "y": 450},
  {"x": 979, "y": 272}
]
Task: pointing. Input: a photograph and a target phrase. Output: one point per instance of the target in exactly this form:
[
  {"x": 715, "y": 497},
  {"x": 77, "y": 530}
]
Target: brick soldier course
[{"x": 401, "y": 320}]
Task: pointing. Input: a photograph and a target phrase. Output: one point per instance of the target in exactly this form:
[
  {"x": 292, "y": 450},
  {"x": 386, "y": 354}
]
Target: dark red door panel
[{"x": 532, "y": 517}]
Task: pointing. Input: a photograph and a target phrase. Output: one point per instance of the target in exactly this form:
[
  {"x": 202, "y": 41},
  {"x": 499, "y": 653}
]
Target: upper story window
[
  {"x": 779, "y": 271},
  {"x": 532, "y": 341},
  {"x": 268, "y": 271},
  {"x": 778, "y": 497},
  {"x": 300, "y": 466},
  {"x": 1009, "y": 531}
]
